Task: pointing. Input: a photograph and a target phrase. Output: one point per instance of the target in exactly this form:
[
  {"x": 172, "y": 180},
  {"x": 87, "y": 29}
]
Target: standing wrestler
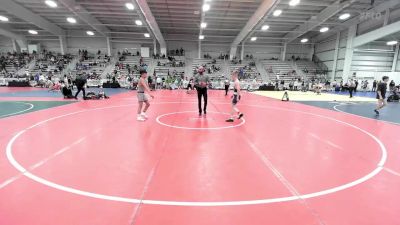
[
  {"x": 201, "y": 82},
  {"x": 381, "y": 94},
  {"x": 143, "y": 93},
  {"x": 235, "y": 98}
]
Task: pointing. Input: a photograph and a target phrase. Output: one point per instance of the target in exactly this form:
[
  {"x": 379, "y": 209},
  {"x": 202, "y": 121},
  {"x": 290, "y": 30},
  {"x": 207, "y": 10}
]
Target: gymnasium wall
[
  {"x": 191, "y": 48},
  {"x": 325, "y": 51},
  {"x": 374, "y": 22},
  {"x": 398, "y": 64},
  {"x": 304, "y": 51},
  {"x": 91, "y": 44},
  {"x": 258, "y": 51},
  {"x": 371, "y": 60},
  {"x": 373, "y": 57},
  {"x": 5, "y": 45},
  {"x": 53, "y": 45},
  {"x": 261, "y": 52}
]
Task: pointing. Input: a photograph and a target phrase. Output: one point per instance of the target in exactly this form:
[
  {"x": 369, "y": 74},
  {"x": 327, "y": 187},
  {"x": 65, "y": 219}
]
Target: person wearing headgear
[
  {"x": 235, "y": 98},
  {"x": 201, "y": 82},
  {"x": 143, "y": 94}
]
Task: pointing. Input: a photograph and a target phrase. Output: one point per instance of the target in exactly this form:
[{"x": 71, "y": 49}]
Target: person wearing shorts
[
  {"x": 381, "y": 94},
  {"x": 235, "y": 98},
  {"x": 143, "y": 94}
]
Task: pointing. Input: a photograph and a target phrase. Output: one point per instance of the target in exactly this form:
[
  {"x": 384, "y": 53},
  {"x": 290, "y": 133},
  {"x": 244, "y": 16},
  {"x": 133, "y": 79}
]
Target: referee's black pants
[
  {"x": 202, "y": 92},
  {"x": 79, "y": 90},
  {"x": 226, "y": 89}
]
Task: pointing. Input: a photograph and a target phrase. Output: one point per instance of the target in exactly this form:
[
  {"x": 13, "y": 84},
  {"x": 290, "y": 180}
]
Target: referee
[
  {"x": 227, "y": 84},
  {"x": 201, "y": 82}
]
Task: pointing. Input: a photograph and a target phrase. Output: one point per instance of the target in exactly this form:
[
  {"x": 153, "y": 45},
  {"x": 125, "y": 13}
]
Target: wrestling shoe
[{"x": 144, "y": 115}]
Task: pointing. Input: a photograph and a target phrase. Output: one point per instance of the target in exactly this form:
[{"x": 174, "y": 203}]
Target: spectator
[{"x": 392, "y": 85}]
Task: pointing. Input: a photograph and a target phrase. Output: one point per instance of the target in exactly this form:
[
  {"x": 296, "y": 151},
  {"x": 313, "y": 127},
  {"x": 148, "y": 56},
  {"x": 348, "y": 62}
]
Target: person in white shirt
[
  {"x": 159, "y": 83},
  {"x": 185, "y": 83},
  {"x": 351, "y": 86},
  {"x": 66, "y": 81},
  {"x": 227, "y": 84}
]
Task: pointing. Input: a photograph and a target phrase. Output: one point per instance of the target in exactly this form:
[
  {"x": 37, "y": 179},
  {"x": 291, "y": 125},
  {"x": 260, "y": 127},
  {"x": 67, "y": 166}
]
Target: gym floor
[{"x": 313, "y": 160}]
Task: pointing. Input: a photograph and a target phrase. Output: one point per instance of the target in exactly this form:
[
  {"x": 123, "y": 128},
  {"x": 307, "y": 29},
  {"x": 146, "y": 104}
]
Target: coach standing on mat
[{"x": 201, "y": 82}]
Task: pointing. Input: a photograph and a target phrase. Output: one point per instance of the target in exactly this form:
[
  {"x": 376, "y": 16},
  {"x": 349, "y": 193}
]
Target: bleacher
[
  {"x": 134, "y": 65},
  {"x": 208, "y": 64},
  {"x": 94, "y": 67},
  {"x": 12, "y": 63},
  {"x": 309, "y": 68},
  {"x": 165, "y": 66},
  {"x": 250, "y": 71},
  {"x": 53, "y": 65},
  {"x": 283, "y": 69}
]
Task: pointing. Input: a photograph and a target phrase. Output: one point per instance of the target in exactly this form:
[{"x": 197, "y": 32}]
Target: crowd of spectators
[
  {"x": 223, "y": 56},
  {"x": 209, "y": 68},
  {"x": 172, "y": 62},
  {"x": 15, "y": 61},
  {"x": 177, "y": 52}
]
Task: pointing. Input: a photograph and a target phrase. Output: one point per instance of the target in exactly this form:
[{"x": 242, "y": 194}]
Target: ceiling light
[
  {"x": 294, "y": 2},
  {"x": 203, "y": 25},
  {"x": 129, "y": 6},
  {"x": 3, "y": 19},
  {"x": 304, "y": 40},
  {"x": 51, "y": 3},
  {"x": 32, "y": 31},
  {"x": 138, "y": 22},
  {"x": 277, "y": 12},
  {"x": 265, "y": 27},
  {"x": 344, "y": 16},
  {"x": 147, "y": 35},
  {"x": 392, "y": 42},
  {"x": 253, "y": 38},
  {"x": 71, "y": 20},
  {"x": 207, "y": 0},
  {"x": 90, "y": 33},
  {"x": 324, "y": 29},
  {"x": 201, "y": 37},
  {"x": 206, "y": 7}
]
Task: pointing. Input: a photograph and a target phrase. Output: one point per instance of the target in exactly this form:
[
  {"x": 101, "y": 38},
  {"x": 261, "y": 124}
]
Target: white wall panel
[{"x": 5, "y": 45}]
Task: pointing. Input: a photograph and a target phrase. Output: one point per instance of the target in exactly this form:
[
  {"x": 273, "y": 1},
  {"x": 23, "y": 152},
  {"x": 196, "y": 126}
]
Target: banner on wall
[{"x": 145, "y": 52}]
